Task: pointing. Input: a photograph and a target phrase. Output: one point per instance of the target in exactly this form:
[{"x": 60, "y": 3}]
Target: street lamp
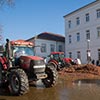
[{"x": 88, "y": 51}]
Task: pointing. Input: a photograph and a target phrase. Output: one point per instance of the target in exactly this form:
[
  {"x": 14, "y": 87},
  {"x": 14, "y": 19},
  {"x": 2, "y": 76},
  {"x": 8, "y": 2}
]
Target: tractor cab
[
  {"x": 57, "y": 55},
  {"x": 20, "y": 48}
]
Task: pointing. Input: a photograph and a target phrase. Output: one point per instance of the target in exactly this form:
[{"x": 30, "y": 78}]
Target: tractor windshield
[
  {"x": 57, "y": 56},
  {"x": 21, "y": 51},
  {"x": 62, "y": 55}
]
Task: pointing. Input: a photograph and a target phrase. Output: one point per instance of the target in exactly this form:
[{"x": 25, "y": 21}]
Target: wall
[
  {"x": 91, "y": 25},
  {"x": 39, "y": 42}
]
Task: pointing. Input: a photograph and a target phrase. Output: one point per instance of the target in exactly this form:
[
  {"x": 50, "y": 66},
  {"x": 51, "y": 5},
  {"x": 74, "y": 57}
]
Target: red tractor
[
  {"x": 19, "y": 67},
  {"x": 58, "y": 60}
]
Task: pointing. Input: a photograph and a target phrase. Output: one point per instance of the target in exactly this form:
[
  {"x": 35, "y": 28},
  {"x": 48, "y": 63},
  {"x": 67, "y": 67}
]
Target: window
[
  {"x": 78, "y": 37},
  {"x": 69, "y": 24},
  {"x": 98, "y": 54},
  {"x": 70, "y": 54},
  {"x": 98, "y": 31},
  {"x": 78, "y": 54},
  {"x": 88, "y": 34},
  {"x": 77, "y": 21},
  {"x": 98, "y": 13},
  {"x": 60, "y": 48},
  {"x": 43, "y": 48},
  {"x": 87, "y": 17},
  {"x": 70, "y": 39},
  {"x": 52, "y": 47}
]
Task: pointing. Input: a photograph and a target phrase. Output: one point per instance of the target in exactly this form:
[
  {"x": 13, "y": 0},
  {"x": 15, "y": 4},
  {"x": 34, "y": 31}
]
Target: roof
[
  {"x": 49, "y": 36},
  {"x": 21, "y": 42},
  {"x": 97, "y": 1}
]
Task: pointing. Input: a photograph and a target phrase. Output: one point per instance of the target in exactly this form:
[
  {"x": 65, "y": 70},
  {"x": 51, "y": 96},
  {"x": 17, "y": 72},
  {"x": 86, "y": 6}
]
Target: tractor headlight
[
  {"x": 59, "y": 63},
  {"x": 39, "y": 66}
]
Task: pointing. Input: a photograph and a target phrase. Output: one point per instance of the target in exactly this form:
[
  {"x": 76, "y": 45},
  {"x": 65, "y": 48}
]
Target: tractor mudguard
[
  {"x": 54, "y": 64},
  {"x": 3, "y": 61},
  {"x": 12, "y": 68}
]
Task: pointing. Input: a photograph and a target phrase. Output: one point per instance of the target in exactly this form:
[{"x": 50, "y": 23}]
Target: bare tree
[{"x": 6, "y": 2}]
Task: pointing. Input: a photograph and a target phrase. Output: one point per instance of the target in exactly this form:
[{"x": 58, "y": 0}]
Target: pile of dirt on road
[{"x": 85, "y": 68}]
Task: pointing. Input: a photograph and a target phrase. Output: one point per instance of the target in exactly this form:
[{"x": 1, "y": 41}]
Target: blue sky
[{"x": 31, "y": 17}]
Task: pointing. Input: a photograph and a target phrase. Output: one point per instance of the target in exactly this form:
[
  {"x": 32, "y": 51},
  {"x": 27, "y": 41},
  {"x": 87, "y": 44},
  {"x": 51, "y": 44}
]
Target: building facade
[
  {"x": 82, "y": 32},
  {"x": 46, "y": 42}
]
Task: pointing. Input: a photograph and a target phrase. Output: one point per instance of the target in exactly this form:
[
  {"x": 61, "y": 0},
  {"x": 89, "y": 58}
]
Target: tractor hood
[
  {"x": 68, "y": 60},
  {"x": 25, "y": 60},
  {"x": 31, "y": 58}
]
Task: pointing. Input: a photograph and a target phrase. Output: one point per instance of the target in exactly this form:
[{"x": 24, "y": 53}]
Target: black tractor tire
[
  {"x": 58, "y": 67},
  {"x": 18, "y": 82},
  {"x": 52, "y": 76}
]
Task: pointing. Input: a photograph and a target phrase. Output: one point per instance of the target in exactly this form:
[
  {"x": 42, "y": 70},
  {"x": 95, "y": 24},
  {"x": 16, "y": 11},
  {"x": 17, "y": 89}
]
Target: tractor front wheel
[
  {"x": 52, "y": 76},
  {"x": 18, "y": 82}
]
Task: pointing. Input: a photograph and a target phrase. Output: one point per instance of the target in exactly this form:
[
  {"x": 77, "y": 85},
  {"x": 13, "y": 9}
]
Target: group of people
[{"x": 97, "y": 62}]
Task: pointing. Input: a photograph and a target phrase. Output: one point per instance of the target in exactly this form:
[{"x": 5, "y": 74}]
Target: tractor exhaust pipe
[{"x": 8, "y": 52}]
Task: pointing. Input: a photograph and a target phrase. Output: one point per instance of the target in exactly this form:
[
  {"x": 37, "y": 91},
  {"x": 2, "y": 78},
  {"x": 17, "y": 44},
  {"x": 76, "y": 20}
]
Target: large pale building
[
  {"x": 47, "y": 42},
  {"x": 82, "y": 32}
]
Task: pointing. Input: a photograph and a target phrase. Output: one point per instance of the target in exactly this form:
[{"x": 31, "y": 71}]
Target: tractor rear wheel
[
  {"x": 52, "y": 76},
  {"x": 18, "y": 82}
]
